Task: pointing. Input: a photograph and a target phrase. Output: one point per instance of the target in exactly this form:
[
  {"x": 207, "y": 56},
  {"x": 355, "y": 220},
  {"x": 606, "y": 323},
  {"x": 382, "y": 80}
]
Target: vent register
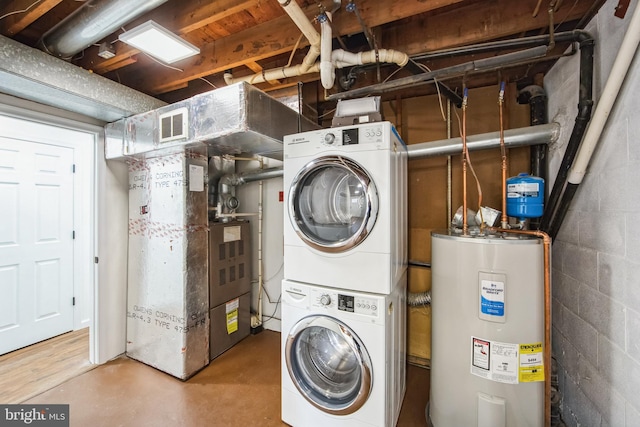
[{"x": 233, "y": 120}]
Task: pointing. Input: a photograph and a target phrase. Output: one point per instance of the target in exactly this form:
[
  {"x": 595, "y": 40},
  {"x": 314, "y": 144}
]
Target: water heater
[{"x": 487, "y": 331}]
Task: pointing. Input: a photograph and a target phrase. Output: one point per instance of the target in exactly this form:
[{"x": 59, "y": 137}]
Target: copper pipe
[
  {"x": 503, "y": 152},
  {"x": 465, "y": 225},
  {"x": 546, "y": 241}
]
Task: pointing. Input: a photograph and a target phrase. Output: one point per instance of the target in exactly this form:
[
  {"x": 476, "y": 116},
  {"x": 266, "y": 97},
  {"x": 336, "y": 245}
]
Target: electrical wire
[
  {"x": 294, "y": 51},
  {"x": 210, "y": 84},
  {"x": 20, "y": 11},
  {"x": 427, "y": 69},
  {"x": 163, "y": 64},
  {"x": 273, "y": 315}
]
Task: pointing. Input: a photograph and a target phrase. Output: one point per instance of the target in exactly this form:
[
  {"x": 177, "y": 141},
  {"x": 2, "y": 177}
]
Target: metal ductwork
[
  {"x": 31, "y": 74},
  {"x": 92, "y": 22}
]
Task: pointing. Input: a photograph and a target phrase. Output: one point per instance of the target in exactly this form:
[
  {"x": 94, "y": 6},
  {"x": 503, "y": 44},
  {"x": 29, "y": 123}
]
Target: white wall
[
  {"x": 272, "y": 239},
  {"x": 596, "y": 256}
]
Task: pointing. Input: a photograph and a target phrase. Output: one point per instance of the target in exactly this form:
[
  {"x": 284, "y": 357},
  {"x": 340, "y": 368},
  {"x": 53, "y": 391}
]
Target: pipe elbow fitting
[{"x": 327, "y": 74}]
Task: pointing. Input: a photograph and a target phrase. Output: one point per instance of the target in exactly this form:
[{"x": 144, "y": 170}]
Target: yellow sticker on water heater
[{"x": 531, "y": 366}]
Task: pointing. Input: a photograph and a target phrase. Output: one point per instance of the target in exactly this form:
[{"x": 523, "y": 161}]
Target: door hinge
[
  {"x": 73, "y": 168},
  {"x": 73, "y": 234},
  {"x": 95, "y": 260},
  {"x": 74, "y": 301}
]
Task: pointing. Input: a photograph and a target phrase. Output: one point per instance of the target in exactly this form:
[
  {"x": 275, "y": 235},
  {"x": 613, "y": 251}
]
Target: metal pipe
[
  {"x": 585, "y": 104},
  {"x": 543, "y": 134},
  {"x": 454, "y": 70},
  {"x": 449, "y": 168},
  {"x": 93, "y": 21},
  {"x": 503, "y": 155},
  {"x": 566, "y": 36},
  {"x": 235, "y": 179},
  {"x": 465, "y": 224},
  {"x": 546, "y": 241},
  {"x": 536, "y": 97}
]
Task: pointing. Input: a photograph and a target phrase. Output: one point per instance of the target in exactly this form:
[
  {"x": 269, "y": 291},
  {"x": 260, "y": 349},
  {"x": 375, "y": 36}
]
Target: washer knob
[
  {"x": 325, "y": 300},
  {"x": 329, "y": 138}
]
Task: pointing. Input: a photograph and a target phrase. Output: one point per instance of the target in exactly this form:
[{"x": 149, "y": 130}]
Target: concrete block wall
[{"x": 596, "y": 256}]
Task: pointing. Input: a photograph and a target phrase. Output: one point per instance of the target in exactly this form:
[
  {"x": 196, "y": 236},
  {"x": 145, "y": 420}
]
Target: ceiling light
[{"x": 158, "y": 42}]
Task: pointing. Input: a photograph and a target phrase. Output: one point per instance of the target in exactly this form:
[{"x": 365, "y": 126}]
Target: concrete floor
[{"x": 239, "y": 388}]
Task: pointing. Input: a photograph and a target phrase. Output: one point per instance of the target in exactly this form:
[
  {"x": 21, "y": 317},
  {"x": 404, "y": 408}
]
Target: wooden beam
[
  {"x": 179, "y": 16},
  {"x": 276, "y": 37},
  {"x": 15, "y": 23},
  {"x": 254, "y": 66},
  {"x": 474, "y": 23}
]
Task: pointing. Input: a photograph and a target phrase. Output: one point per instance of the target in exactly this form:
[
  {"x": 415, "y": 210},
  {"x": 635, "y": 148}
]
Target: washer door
[
  {"x": 329, "y": 364},
  {"x": 333, "y": 204}
]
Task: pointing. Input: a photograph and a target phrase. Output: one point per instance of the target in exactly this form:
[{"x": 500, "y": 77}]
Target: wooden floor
[
  {"x": 32, "y": 370},
  {"x": 239, "y": 388}
]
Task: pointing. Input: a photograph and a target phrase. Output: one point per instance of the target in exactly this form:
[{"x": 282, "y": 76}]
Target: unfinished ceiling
[{"x": 252, "y": 36}]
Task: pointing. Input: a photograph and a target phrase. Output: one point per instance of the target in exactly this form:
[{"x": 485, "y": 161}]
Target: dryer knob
[
  {"x": 325, "y": 300},
  {"x": 329, "y": 139}
]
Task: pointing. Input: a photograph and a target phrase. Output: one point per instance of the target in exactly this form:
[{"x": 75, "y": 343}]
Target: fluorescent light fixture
[{"x": 158, "y": 42}]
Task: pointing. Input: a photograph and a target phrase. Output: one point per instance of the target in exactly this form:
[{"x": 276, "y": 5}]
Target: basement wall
[{"x": 596, "y": 256}]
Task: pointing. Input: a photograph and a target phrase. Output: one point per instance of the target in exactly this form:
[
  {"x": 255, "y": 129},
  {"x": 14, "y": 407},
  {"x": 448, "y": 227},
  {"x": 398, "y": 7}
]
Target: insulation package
[{"x": 168, "y": 298}]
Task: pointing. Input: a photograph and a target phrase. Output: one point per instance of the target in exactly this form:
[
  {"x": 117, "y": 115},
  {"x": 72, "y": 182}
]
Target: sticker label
[
  {"x": 232, "y": 315},
  {"x": 492, "y": 297},
  {"x": 481, "y": 350},
  {"x": 196, "y": 178},
  {"x": 524, "y": 189},
  {"x": 232, "y": 233},
  {"x": 531, "y": 363},
  {"x": 495, "y": 361}
]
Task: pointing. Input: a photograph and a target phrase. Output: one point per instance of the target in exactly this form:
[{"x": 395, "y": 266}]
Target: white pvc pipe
[
  {"x": 300, "y": 19},
  {"x": 607, "y": 99},
  {"x": 327, "y": 67},
  {"x": 273, "y": 74},
  {"x": 343, "y": 58}
]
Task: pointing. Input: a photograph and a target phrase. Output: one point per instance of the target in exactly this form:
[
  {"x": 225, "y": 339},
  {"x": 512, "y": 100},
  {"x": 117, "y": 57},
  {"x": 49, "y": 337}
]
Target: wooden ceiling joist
[
  {"x": 273, "y": 38},
  {"x": 28, "y": 13}
]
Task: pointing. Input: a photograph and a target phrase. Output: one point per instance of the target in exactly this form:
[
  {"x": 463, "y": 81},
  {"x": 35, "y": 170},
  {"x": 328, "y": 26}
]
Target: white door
[{"x": 36, "y": 242}]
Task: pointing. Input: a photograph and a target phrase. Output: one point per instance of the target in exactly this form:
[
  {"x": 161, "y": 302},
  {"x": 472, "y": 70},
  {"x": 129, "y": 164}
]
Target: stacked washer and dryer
[{"x": 345, "y": 268}]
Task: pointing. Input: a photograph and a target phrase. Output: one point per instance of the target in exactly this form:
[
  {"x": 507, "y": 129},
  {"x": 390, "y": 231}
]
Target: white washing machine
[
  {"x": 343, "y": 356},
  {"x": 346, "y": 207}
]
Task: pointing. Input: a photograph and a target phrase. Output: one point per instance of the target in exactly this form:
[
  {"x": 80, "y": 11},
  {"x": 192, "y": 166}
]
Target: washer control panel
[{"x": 342, "y": 301}]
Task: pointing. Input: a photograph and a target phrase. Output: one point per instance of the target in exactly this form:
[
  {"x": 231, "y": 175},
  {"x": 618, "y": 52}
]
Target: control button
[
  {"x": 367, "y": 306},
  {"x": 379, "y": 133},
  {"x": 325, "y": 300},
  {"x": 329, "y": 138},
  {"x": 374, "y": 307},
  {"x": 358, "y": 305}
]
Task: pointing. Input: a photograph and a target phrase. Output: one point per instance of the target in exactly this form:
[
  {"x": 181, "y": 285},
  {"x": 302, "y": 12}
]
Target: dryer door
[
  {"x": 329, "y": 364},
  {"x": 333, "y": 204}
]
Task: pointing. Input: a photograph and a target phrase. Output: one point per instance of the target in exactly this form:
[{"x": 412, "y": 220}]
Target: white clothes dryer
[
  {"x": 346, "y": 207},
  {"x": 343, "y": 356}
]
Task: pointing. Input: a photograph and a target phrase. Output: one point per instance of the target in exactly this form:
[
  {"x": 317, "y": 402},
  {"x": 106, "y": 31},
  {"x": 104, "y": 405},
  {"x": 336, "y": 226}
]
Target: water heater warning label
[
  {"x": 531, "y": 363},
  {"x": 492, "y": 297},
  {"x": 495, "y": 361}
]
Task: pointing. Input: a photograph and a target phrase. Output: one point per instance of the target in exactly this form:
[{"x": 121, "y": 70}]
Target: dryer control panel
[{"x": 363, "y": 134}]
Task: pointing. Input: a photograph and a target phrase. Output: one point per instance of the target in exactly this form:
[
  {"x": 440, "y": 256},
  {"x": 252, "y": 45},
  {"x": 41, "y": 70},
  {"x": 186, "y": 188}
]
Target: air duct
[{"x": 92, "y": 22}]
